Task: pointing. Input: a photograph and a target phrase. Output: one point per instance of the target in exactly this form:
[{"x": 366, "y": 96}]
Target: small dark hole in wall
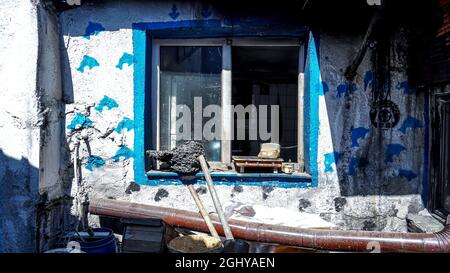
[
  {"x": 339, "y": 203},
  {"x": 201, "y": 190},
  {"x": 162, "y": 193},
  {"x": 266, "y": 190},
  {"x": 303, "y": 204},
  {"x": 132, "y": 188}
]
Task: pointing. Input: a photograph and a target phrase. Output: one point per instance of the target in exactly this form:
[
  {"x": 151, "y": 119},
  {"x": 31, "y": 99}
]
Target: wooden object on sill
[{"x": 241, "y": 162}]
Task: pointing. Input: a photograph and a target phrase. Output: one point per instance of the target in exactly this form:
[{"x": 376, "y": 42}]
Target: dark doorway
[{"x": 267, "y": 75}]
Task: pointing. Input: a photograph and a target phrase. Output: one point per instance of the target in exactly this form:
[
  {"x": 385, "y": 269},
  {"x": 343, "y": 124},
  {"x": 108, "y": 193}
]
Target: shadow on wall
[{"x": 19, "y": 184}]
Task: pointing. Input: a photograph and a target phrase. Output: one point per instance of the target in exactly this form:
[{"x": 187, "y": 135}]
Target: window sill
[{"x": 296, "y": 180}]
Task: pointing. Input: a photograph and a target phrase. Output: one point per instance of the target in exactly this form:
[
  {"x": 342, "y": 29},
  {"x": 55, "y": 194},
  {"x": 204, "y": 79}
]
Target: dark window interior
[
  {"x": 267, "y": 75},
  {"x": 440, "y": 155}
]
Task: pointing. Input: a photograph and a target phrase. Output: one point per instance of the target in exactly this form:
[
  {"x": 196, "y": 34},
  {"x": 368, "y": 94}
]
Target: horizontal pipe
[{"x": 339, "y": 240}]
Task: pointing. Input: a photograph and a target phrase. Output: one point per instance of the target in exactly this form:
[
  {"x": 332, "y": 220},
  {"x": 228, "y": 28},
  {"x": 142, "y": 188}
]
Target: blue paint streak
[
  {"x": 358, "y": 133},
  {"x": 410, "y": 175},
  {"x": 94, "y": 162},
  {"x": 345, "y": 89},
  {"x": 79, "y": 121},
  {"x": 126, "y": 58},
  {"x": 156, "y": 178},
  {"x": 313, "y": 89},
  {"x": 106, "y": 102},
  {"x": 324, "y": 89},
  {"x": 124, "y": 152},
  {"x": 407, "y": 90},
  {"x": 393, "y": 150},
  {"x": 426, "y": 150},
  {"x": 353, "y": 166},
  {"x": 330, "y": 159},
  {"x": 93, "y": 29},
  {"x": 139, "y": 50},
  {"x": 368, "y": 79},
  {"x": 174, "y": 12},
  {"x": 125, "y": 123},
  {"x": 88, "y": 62},
  {"x": 410, "y": 123}
]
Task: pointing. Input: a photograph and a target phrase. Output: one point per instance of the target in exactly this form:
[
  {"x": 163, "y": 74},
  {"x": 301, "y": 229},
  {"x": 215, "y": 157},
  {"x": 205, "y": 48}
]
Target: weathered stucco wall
[
  {"x": 367, "y": 179},
  {"x": 19, "y": 125},
  {"x": 30, "y": 123}
]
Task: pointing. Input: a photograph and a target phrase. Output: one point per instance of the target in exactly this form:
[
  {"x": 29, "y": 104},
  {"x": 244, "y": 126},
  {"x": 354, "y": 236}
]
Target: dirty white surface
[{"x": 373, "y": 196}]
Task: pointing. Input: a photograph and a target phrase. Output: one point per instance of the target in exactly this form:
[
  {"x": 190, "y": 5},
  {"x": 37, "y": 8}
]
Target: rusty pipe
[{"x": 339, "y": 240}]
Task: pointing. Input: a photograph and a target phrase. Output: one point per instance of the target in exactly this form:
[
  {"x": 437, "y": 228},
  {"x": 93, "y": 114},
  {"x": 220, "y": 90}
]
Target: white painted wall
[
  {"x": 337, "y": 115},
  {"x": 19, "y": 125}
]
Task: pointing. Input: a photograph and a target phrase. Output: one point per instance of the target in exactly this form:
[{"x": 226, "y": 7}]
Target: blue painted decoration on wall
[
  {"x": 88, "y": 62},
  {"x": 94, "y": 162},
  {"x": 174, "y": 12},
  {"x": 353, "y": 166},
  {"x": 124, "y": 124},
  {"x": 79, "y": 121},
  {"x": 107, "y": 102},
  {"x": 410, "y": 123},
  {"x": 358, "y": 133},
  {"x": 345, "y": 89},
  {"x": 126, "y": 58},
  {"x": 93, "y": 29},
  {"x": 410, "y": 175},
  {"x": 393, "y": 150},
  {"x": 330, "y": 159},
  {"x": 124, "y": 152},
  {"x": 407, "y": 90},
  {"x": 323, "y": 89},
  {"x": 368, "y": 79}
]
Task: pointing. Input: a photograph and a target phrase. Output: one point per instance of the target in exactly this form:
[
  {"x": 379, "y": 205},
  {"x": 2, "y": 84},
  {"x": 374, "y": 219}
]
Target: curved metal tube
[{"x": 339, "y": 240}]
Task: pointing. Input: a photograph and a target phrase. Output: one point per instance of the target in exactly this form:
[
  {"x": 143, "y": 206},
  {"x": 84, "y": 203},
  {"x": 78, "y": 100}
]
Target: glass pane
[{"x": 187, "y": 72}]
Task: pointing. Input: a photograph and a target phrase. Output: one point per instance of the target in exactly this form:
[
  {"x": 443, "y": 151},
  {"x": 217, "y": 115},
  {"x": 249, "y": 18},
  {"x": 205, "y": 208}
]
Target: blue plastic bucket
[{"x": 103, "y": 241}]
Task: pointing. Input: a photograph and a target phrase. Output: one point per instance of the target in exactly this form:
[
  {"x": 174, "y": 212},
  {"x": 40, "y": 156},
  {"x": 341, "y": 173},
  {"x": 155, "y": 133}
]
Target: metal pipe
[{"x": 338, "y": 240}]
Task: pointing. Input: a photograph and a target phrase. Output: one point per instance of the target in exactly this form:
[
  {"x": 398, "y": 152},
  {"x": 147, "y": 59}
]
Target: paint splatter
[
  {"x": 325, "y": 88},
  {"x": 368, "y": 79},
  {"x": 410, "y": 123},
  {"x": 410, "y": 175},
  {"x": 393, "y": 150},
  {"x": 174, "y": 12},
  {"x": 125, "y": 123},
  {"x": 124, "y": 152},
  {"x": 93, "y": 29},
  {"x": 330, "y": 159},
  {"x": 345, "y": 89},
  {"x": 79, "y": 121},
  {"x": 88, "y": 62},
  {"x": 94, "y": 162},
  {"x": 106, "y": 102},
  {"x": 407, "y": 90},
  {"x": 206, "y": 12},
  {"x": 126, "y": 58},
  {"x": 358, "y": 133},
  {"x": 353, "y": 166}
]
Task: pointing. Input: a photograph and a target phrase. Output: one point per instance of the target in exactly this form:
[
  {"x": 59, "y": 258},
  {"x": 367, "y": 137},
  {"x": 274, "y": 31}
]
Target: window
[
  {"x": 225, "y": 73},
  {"x": 440, "y": 193},
  {"x": 188, "y": 72}
]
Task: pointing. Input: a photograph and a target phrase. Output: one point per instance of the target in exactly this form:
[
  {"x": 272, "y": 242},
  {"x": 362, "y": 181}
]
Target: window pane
[{"x": 187, "y": 72}]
